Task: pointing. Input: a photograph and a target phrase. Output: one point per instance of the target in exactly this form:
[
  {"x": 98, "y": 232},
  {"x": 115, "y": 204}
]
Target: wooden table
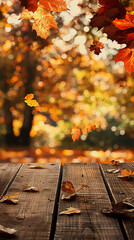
[{"x": 36, "y": 215}]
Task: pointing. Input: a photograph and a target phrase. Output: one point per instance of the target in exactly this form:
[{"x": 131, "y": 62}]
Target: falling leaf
[
  {"x": 30, "y": 101},
  {"x": 119, "y": 208},
  {"x": 38, "y": 166},
  {"x": 126, "y": 173},
  {"x": 96, "y": 47},
  {"x": 30, "y": 188},
  {"x": 127, "y": 22},
  {"x": 75, "y": 133},
  {"x": 7, "y": 230},
  {"x": 42, "y": 21},
  {"x": 114, "y": 162},
  {"x": 54, "y": 5},
  {"x": 113, "y": 170},
  {"x": 9, "y": 199},
  {"x": 70, "y": 210},
  {"x": 126, "y": 55},
  {"x": 69, "y": 189}
]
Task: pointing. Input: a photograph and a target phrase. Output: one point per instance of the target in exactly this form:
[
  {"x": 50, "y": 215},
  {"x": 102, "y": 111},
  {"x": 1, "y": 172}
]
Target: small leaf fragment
[
  {"x": 38, "y": 166},
  {"x": 113, "y": 170},
  {"x": 30, "y": 188},
  {"x": 7, "y": 230},
  {"x": 70, "y": 210}
]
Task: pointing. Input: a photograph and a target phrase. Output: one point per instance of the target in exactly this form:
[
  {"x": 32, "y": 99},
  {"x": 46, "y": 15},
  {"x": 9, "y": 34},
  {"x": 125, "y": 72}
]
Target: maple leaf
[
  {"x": 30, "y": 101},
  {"x": 31, "y": 5},
  {"x": 75, "y": 133},
  {"x": 126, "y": 23},
  {"x": 96, "y": 47},
  {"x": 43, "y": 21},
  {"x": 126, "y": 55},
  {"x": 56, "y": 6}
]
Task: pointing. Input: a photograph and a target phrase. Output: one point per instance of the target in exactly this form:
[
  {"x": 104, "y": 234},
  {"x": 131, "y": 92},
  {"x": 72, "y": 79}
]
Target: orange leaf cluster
[
  {"x": 41, "y": 16},
  {"x": 30, "y": 101},
  {"x": 76, "y": 132}
]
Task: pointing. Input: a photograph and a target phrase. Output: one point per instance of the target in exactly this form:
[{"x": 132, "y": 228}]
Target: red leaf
[
  {"x": 31, "y": 5},
  {"x": 96, "y": 47},
  {"x": 126, "y": 55},
  {"x": 126, "y": 23}
]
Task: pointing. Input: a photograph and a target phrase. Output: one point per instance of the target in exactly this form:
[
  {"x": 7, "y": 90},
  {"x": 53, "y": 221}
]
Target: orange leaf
[
  {"x": 54, "y": 5},
  {"x": 126, "y": 55},
  {"x": 43, "y": 21},
  {"x": 75, "y": 133},
  {"x": 68, "y": 187},
  {"x": 126, "y": 173},
  {"x": 126, "y": 23},
  {"x": 30, "y": 101}
]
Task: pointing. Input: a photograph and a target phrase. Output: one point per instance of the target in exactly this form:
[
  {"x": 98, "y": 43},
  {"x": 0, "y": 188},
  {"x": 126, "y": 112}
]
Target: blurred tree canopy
[{"x": 71, "y": 84}]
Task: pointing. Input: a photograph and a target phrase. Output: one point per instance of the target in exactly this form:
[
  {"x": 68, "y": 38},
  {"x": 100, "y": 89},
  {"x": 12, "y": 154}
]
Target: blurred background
[{"x": 72, "y": 85}]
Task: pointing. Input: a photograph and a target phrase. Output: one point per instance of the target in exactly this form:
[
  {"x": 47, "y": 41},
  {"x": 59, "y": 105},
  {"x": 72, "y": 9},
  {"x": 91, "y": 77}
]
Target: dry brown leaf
[
  {"x": 30, "y": 188},
  {"x": 119, "y": 207},
  {"x": 69, "y": 189},
  {"x": 113, "y": 170},
  {"x": 38, "y": 166},
  {"x": 7, "y": 230},
  {"x": 70, "y": 210},
  {"x": 10, "y": 199}
]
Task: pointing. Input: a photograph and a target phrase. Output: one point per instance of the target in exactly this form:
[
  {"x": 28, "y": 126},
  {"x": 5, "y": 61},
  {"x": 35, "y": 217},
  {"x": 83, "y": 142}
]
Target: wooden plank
[
  {"x": 90, "y": 223},
  {"x": 120, "y": 189},
  {"x": 7, "y": 173},
  {"x": 32, "y": 215}
]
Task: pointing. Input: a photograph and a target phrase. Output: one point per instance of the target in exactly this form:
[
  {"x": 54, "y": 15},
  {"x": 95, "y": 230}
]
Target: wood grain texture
[
  {"x": 7, "y": 173},
  {"x": 32, "y": 215},
  {"x": 120, "y": 189},
  {"x": 90, "y": 223}
]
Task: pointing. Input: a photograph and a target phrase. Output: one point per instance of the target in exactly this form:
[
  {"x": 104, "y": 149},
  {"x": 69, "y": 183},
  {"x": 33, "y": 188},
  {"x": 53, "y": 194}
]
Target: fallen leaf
[
  {"x": 126, "y": 173},
  {"x": 10, "y": 199},
  {"x": 69, "y": 189},
  {"x": 114, "y": 162},
  {"x": 30, "y": 101},
  {"x": 119, "y": 208},
  {"x": 113, "y": 170},
  {"x": 70, "y": 210},
  {"x": 38, "y": 166},
  {"x": 75, "y": 133},
  {"x": 7, "y": 230},
  {"x": 29, "y": 188}
]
